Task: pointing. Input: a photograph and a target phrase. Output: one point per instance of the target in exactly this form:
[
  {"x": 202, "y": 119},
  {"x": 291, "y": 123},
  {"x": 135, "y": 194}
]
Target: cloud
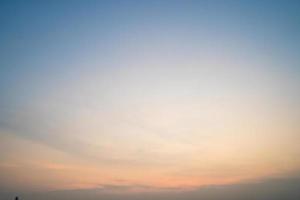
[{"x": 270, "y": 189}]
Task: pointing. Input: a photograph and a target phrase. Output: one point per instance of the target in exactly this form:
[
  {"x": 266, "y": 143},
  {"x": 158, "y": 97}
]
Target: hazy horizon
[
  {"x": 268, "y": 189},
  {"x": 128, "y": 96}
]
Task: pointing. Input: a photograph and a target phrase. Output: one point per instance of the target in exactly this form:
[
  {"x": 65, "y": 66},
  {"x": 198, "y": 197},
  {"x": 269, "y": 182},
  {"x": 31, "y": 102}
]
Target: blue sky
[{"x": 116, "y": 88}]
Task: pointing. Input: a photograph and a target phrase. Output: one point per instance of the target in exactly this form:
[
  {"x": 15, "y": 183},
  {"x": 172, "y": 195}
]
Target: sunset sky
[{"x": 148, "y": 95}]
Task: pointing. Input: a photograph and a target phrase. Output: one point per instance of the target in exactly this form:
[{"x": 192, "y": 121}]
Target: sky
[{"x": 148, "y": 96}]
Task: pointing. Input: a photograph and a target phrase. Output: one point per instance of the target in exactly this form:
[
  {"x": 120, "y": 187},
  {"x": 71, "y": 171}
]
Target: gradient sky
[{"x": 155, "y": 94}]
